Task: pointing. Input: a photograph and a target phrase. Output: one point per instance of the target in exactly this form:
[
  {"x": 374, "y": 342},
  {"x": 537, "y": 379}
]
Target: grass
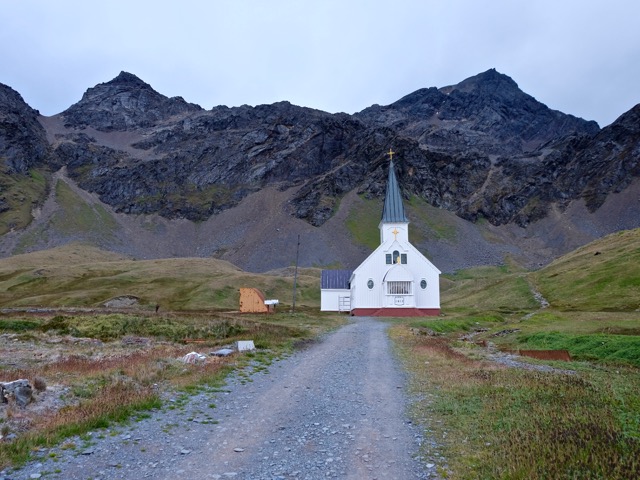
[
  {"x": 494, "y": 422},
  {"x": 362, "y": 222},
  {"x": 77, "y": 215},
  {"x": 80, "y": 276},
  {"x": 601, "y": 276},
  {"x": 488, "y": 289},
  {"x": 20, "y": 194},
  {"x": 99, "y": 412},
  {"x": 601, "y": 347},
  {"x": 74, "y": 216},
  {"x": 438, "y": 223}
]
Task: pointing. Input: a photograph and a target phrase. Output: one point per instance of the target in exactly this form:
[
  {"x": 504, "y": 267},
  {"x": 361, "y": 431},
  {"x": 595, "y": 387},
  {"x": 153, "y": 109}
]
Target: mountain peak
[
  {"x": 124, "y": 103},
  {"x": 491, "y": 80},
  {"x": 129, "y": 79}
]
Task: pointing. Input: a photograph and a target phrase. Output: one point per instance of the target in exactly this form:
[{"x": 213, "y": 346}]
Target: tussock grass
[
  {"x": 490, "y": 421},
  {"x": 89, "y": 415},
  {"x": 111, "y": 382},
  {"x": 496, "y": 422}
]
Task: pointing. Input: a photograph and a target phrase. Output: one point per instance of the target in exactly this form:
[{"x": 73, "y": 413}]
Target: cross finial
[{"x": 391, "y": 154}]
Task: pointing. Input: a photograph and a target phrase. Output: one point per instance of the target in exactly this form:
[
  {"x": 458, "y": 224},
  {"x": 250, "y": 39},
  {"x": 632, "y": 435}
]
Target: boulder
[{"x": 21, "y": 390}]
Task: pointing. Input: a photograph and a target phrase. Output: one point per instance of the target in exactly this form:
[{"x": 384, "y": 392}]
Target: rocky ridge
[
  {"x": 481, "y": 149},
  {"x": 23, "y": 141}
]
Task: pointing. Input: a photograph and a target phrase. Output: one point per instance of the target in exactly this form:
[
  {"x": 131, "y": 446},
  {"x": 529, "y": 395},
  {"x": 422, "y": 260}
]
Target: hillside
[
  {"x": 487, "y": 172},
  {"x": 81, "y": 276},
  {"x": 603, "y": 276}
]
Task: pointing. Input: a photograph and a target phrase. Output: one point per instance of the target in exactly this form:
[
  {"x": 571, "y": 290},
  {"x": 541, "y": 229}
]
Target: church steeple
[
  {"x": 394, "y": 223},
  {"x": 393, "y": 211}
]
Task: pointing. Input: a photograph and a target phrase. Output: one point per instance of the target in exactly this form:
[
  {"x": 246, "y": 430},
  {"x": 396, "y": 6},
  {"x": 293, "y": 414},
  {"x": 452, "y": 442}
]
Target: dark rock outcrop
[
  {"x": 487, "y": 112},
  {"x": 124, "y": 103},
  {"x": 481, "y": 148},
  {"x": 23, "y": 141}
]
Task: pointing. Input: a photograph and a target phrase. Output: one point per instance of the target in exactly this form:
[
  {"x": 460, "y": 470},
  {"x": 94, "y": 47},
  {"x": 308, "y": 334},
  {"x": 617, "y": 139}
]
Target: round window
[
  {"x": 370, "y": 284},
  {"x": 423, "y": 284}
]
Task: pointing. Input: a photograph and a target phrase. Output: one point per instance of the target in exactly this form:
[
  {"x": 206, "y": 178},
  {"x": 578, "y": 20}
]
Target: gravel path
[{"x": 334, "y": 410}]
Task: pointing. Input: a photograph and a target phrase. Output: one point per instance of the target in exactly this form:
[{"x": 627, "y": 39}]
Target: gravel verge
[{"x": 334, "y": 410}]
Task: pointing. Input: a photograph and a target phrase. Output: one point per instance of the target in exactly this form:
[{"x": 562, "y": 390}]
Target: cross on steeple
[{"x": 391, "y": 153}]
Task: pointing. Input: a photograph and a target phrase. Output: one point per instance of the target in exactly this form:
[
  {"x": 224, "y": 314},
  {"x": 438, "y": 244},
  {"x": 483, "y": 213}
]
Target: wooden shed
[{"x": 252, "y": 301}]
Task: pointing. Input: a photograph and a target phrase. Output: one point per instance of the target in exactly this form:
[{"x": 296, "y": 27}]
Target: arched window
[{"x": 396, "y": 255}]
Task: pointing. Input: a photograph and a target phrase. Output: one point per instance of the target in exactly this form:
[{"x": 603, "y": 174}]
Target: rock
[
  {"x": 123, "y": 103},
  {"x": 21, "y": 390},
  {"x": 222, "y": 352},
  {"x": 24, "y": 395},
  {"x": 482, "y": 149},
  {"x": 123, "y": 301},
  {"x": 445, "y": 162},
  {"x": 23, "y": 141},
  {"x": 245, "y": 345},
  {"x": 194, "y": 358}
]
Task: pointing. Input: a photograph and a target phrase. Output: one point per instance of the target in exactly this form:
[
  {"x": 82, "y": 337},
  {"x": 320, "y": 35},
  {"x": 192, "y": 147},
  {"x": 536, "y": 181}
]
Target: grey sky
[{"x": 580, "y": 57}]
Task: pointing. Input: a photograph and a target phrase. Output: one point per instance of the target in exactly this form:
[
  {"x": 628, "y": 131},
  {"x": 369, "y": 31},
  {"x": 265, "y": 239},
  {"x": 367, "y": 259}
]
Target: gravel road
[{"x": 333, "y": 410}]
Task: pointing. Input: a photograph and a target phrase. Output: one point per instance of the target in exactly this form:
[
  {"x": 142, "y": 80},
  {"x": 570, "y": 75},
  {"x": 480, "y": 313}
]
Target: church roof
[
  {"x": 338, "y": 279},
  {"x": 393, "y": 210}
]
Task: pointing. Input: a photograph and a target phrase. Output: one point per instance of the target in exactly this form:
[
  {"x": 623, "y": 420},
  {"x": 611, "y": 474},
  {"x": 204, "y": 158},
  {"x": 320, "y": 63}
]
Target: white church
[{"x": 396, "y": 280}]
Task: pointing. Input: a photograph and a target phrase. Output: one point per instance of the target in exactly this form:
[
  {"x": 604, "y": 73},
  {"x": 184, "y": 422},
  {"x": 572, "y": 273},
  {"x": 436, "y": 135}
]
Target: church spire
[{"x": 393, "y": 211}]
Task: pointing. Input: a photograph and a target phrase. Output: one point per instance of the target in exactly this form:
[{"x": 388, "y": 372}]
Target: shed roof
[
  {"x": 335, "y": 279},
  {"x": 393, "y": 210}
]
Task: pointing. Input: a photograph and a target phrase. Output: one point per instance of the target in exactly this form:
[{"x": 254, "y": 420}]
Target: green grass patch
[
  {"x": 363, "y": 220},
  {"x": 19, "y": 194},
  {"x": 17, "y": 325},
  {"x": 76, "y": 215},
  {"x": 485, "y": 289},
  {"x": 459, "y": 324},
  {"x": 601, "y": 276},
  {"x": 430, "y": 222},
  {"x": 609, "y": 348}
]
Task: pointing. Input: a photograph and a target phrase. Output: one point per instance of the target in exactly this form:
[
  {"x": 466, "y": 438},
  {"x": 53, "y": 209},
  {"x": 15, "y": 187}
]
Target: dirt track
[{"x": 334, "y": 410}]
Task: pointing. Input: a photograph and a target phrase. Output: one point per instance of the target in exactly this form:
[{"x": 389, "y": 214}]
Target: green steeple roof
[{"x": 393, "y": 211}]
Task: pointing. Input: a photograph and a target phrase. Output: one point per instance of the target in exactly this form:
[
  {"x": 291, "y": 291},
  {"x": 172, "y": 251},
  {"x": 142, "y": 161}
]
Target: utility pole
[{"x": 295, "y": 277}]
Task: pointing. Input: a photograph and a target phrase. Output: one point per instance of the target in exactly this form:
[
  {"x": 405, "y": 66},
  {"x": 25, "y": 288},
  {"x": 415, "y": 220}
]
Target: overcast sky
[{"x": 578, "y": 56}]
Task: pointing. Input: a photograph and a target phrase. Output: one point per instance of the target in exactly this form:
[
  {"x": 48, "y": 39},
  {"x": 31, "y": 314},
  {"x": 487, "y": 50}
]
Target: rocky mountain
[
  {"x": 23, "y": 141},
  {"x": 482, "y": 150}
]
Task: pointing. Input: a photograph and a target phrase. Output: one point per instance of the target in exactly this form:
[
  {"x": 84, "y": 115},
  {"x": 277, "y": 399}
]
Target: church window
[
  {"x": 370, "y": 284},
  {"x": 396, "y": 254},
  {"x": 399, "y": 288},
  {"x": 389, "y": 260},
  {"x": 403, "y": 258},
  {"x": 423, "y": 284}
]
